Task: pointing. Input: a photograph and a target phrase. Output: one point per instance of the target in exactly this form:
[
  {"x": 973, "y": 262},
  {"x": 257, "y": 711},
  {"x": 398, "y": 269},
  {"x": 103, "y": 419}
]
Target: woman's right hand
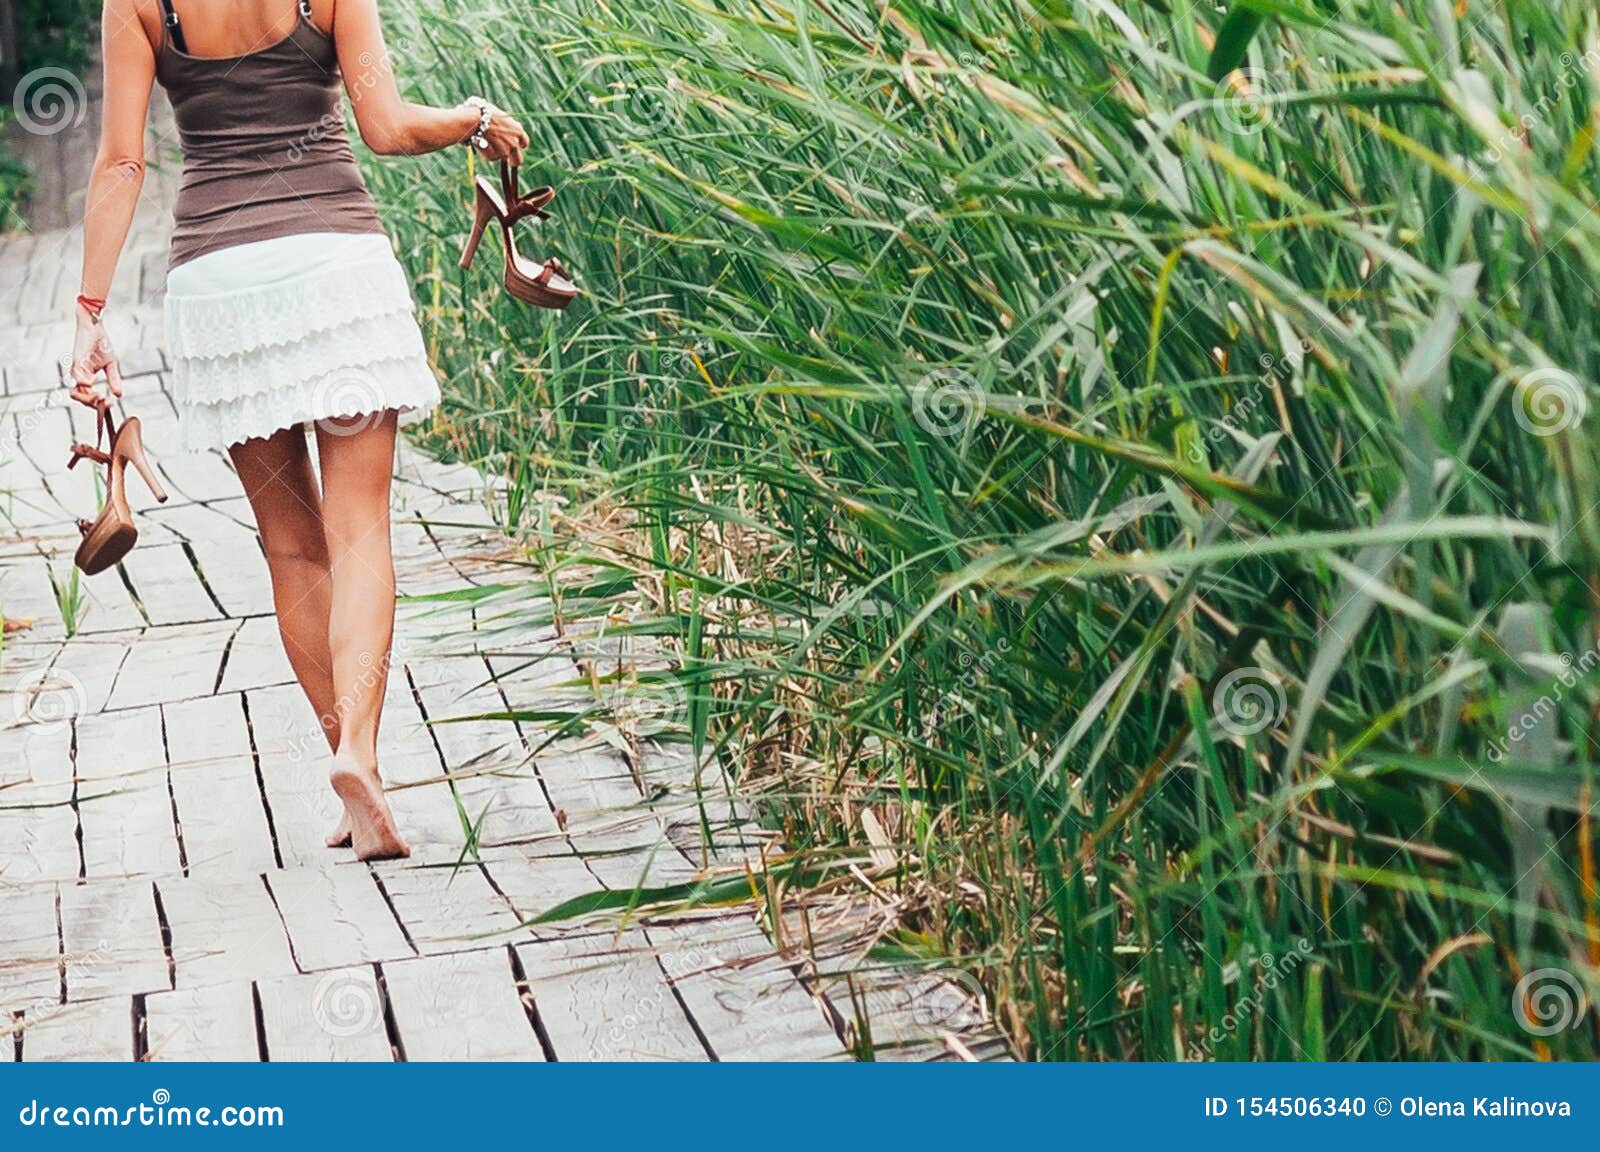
[
  {"x": 507, "y": 138},
  {"x": 92, "y": 354}
]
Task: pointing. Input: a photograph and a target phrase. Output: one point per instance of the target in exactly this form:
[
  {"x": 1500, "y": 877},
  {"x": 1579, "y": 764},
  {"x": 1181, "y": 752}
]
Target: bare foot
[
  {"x": 340, "y": 836},
  {"x": 372, "y": 830}
]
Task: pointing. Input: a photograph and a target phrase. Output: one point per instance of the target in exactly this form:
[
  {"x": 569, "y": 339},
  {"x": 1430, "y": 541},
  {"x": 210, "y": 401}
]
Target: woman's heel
[
  {"x": 486, "y": 212},
  {"x": 130, "y": 447}
]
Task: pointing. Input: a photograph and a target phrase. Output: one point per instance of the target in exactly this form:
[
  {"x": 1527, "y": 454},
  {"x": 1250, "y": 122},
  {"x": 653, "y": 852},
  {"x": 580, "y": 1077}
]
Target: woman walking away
[{"x": 285, "y": 308}]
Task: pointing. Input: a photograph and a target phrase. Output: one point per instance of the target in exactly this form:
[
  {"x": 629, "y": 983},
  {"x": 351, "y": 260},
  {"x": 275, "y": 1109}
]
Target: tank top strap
[{"x": 171, "y": 29}]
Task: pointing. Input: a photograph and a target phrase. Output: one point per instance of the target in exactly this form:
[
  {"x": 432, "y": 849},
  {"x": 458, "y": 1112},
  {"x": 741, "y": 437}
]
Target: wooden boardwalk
[{"x": 164, "y": 890}]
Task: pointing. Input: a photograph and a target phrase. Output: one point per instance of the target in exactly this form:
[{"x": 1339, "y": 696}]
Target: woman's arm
[
  {"x": 395, "y": 127},
  {"x": 114, "y": 186}
]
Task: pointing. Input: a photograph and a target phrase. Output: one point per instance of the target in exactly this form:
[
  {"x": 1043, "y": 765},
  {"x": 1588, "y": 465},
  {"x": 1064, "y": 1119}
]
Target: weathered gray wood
[
  {"x": 124, "y": 806},
  {"x": 96, "y": 1030},
  {"x": 422, "y": 794},
  {"x": 93, "y": 662},
  {"x": 746, "y": 1002},
  {"x": 464, "y": 1006},
  {"x": 169, "y": 590},
  {"x": 256, "y": 658},
  {"x": 26, "y": 590},
  {"x": 485, "y": 756},
  {"x": 168, "y": 664},
  {"x": 294, "y": 759},
  {"x": 447, "y": 909},
  {"x": 214, "y": 788},
  {"x": 605, "y": 998},
  {"x": 336, "y": 917},
  {"x": 30, "y": 950},
  {"x": 535, "y": 883},
  {"x": 112, "y": 940},
  {"x": 224, "y": 930},
  {"x": 38, "y": 826},
  {"x": 326, "y": 1016},
  {"x": 229, "y": 553},
  {"x": 212, "y": 1023}
]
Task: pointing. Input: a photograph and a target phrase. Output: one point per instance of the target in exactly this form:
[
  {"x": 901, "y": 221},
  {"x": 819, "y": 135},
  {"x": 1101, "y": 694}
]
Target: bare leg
[
  {"x": 282, "y": 488},
  {"x": 357, "y": 458}
]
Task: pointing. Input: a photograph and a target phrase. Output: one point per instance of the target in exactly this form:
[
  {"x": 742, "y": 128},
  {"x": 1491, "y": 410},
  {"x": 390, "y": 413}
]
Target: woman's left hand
[
  {"x": 507, "y": 138},
  {"x": 92, "y": 354}
]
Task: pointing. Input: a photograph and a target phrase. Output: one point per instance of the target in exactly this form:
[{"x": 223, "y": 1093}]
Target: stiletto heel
[
  {"x": 130, "y": 447},
  {"x": 485, "y": 213},
  {"x": 112, "y": 534},
  {"x": 546, "y": 285}
]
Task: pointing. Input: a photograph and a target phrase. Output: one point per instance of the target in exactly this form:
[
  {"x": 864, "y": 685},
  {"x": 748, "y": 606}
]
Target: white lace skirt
[{"x": 289, "y": 331}]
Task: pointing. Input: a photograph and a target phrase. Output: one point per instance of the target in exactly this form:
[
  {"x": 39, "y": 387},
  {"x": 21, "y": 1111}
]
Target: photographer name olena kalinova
[{"x": 1482, "y": 1106}]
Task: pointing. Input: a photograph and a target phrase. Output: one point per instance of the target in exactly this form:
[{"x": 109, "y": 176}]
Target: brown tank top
[{"x": 265, "y": 151}]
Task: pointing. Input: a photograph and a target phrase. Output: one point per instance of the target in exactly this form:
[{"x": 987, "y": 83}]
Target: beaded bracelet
[{"x": 480, "y": 134}]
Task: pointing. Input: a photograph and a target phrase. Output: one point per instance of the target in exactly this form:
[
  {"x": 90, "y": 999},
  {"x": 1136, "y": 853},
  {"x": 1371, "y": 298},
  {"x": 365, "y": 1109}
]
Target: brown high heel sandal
[
  {"x": 548, "y": 286},
  {"x": 111, "y": 535}
]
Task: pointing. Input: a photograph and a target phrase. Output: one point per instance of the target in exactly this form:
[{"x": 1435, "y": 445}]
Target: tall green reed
[{"x": 1161, "y": 502}]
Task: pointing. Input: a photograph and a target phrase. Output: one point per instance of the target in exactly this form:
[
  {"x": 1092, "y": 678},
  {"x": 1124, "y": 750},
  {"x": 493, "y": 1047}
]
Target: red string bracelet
[{"x": 92, "y": 306}]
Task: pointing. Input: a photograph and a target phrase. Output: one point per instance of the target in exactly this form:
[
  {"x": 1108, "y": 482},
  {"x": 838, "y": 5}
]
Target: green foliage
[
  {"x": 57, "y": 33},
  {"x": 15, "y": 182},
  {"x": 1110, "y": 478}
]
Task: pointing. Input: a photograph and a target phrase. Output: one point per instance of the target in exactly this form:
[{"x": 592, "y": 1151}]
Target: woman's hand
[
  {"x": 507, "y": 138},
  {"x": 91, "y": 355}
]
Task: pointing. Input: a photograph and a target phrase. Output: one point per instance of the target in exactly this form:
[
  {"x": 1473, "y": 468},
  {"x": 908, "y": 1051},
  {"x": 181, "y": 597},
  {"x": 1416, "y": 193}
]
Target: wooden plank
[
  {"x": 257, "y": 659},
  {"x": 229, "y": 553},
  {"x": 123, "y": 804},
  {"x": 112, "y": 940},
  {"x": 38, "y": 826},
  {"x": 37, "y": 843},
  {"x": 168, "y": 664},
  {"x": 657, "y": 866},
  {"x": 328, "y": 1016},
  {"x": 336, "y": 917},
  {"x": 26, "y": 590},
  {"x": 170, "y": 592},
  {"x": 605, "y": 998},
  {"x": 214, "y": 1023},
  {"x": 423, "y": 797},
  {"x": 214, "y": 788},
  {"x": 746, "y": 1001},
  {"x": 463, "y": 1006},
  {"x": 94, "y": 661},
  {"x": 534, "y": 884},
  {"x": 293, "y": 756},
  {"x": 223, "y": 930},
  {"x": 447, "y": 909},
  {"x": 485, "y": 756},
  {"x": 30, "y": 949},
  {"x": 98, "y": 1030}
]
